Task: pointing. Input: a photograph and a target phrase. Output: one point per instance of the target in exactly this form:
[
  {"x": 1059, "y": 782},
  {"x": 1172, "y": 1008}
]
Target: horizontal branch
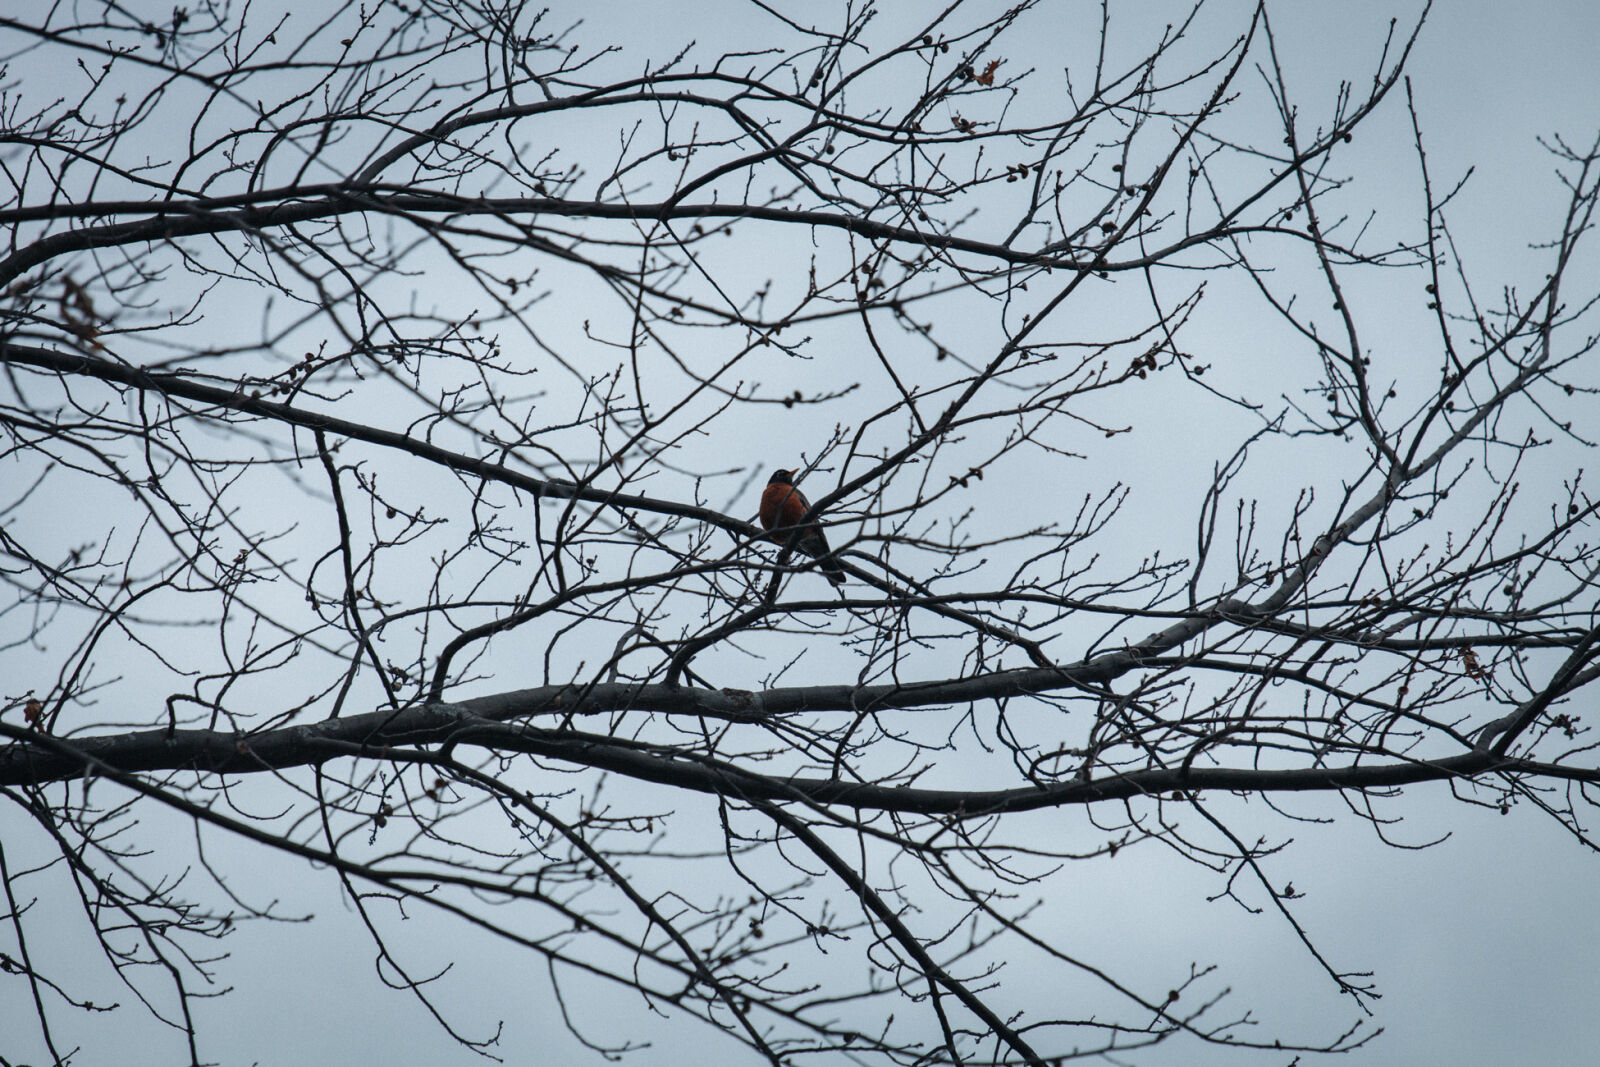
[
  {"x": 238, "y": 400},
  {"x": 227, "y": 752},
  {"x": 273, "y": 209},
  {"x": 499, "y": 722}
]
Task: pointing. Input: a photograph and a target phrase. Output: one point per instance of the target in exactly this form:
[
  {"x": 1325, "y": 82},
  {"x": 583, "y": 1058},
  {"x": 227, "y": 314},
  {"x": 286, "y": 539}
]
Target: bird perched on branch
[{"x": 782, "y": 508}]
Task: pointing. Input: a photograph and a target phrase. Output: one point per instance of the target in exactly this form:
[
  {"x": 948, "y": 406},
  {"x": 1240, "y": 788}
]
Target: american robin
[{"x": 782, "y": 507}]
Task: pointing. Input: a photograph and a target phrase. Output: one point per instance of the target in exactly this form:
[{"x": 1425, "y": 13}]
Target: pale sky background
[{"x": 1483, "y": 947}]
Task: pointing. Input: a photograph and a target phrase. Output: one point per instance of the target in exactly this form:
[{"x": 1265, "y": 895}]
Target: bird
[{"x": 782, "y": 508}]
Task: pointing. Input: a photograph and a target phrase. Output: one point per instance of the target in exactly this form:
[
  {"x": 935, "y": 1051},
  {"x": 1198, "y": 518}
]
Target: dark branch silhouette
[{"x": 387, "y": 402}]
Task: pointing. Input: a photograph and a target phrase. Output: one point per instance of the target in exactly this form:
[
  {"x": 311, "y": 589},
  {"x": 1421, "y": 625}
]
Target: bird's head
[{"x": 781, "y": 478}]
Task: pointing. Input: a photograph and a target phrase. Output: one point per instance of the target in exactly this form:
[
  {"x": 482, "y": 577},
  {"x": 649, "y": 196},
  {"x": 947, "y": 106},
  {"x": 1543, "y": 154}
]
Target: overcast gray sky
[{"x": 1483, "y": 947}]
